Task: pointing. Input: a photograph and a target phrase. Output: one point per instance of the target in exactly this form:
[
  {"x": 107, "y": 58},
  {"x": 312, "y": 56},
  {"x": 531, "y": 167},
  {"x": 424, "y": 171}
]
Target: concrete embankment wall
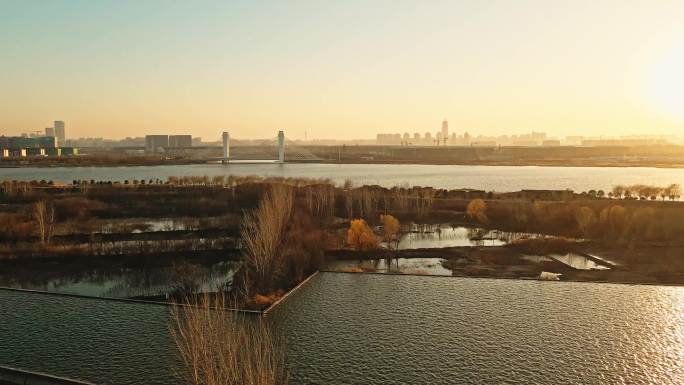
[{"x": 12, "y": 376}]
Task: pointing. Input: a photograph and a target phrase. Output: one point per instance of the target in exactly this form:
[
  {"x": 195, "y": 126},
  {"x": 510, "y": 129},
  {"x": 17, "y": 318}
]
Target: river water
[
  {"x": 379, "y": 329},
  {"x": 490, "y": 178},
  {"x": 119, "y": 280}
]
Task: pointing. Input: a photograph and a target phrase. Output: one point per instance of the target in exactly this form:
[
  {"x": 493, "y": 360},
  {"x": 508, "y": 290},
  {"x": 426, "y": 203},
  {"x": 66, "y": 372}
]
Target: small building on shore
[
  {"x": 35, "y": 151},
  {"x": 53, "y": 151}
]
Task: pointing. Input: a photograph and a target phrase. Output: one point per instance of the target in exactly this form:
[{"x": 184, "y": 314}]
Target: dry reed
[
  {"x": 262, "y": 233},
  {"x": 219, "y": 347}
]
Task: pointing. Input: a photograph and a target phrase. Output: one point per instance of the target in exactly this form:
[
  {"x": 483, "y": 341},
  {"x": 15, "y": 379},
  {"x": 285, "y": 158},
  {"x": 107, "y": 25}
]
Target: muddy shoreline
[{"x": 506, "y": 262}]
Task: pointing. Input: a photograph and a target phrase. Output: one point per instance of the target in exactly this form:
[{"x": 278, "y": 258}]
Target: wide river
[
  {"x": 380, "y": 329},
  {"x": 490, "y": 178}
]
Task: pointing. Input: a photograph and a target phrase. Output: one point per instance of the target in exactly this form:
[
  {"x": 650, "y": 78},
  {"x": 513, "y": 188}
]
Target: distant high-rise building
[
  {"x": 60, "y": 132},
  {"x": 49, "y": 131},
  {"x": 445, "y": 129},
  {"x": 538, "y": 136},
  {"x": 156, "y": 143},
  {"x": 180, "y": 141}
]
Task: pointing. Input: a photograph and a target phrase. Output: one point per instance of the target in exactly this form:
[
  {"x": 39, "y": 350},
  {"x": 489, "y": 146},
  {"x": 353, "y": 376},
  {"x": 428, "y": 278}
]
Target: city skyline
[
  {"x": 440, "y": 136},
  {"x": 109, "y": 69}
]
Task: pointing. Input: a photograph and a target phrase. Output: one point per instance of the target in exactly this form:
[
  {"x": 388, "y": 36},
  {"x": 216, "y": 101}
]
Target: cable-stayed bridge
[{"x": 277, "y": 149}]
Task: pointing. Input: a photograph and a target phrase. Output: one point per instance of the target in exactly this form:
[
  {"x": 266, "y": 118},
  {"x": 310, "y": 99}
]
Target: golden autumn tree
[
  {"x": 477, "y": 209},
  {"x": 360, "y": 236},
  {"x": 390, "y": 229}
]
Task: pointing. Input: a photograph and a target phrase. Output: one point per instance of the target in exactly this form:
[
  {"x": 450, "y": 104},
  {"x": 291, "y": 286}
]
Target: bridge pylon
[
  {"x": 281, "y": 146},
  {"x": 226, "y": 147}
]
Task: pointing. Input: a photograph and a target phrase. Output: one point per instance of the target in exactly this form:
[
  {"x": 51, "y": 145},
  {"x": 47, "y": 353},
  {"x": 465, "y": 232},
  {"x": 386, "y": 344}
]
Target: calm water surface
[
  {"x": 439, "y": 236},
  {"x": 490, "y": 178},
  {"x": 579, "y": 262},
  {"x": 424, "y": 266},
  {"x": 119, "y": 281},
  {"x": 378, "y": 329}
]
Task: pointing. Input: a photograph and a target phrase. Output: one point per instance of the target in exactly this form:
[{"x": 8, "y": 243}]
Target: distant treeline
[{"x": 643, "y": 192}]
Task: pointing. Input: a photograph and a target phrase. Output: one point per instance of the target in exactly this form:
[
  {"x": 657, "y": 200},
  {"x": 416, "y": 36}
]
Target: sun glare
[{"x": 667, "y": 82}]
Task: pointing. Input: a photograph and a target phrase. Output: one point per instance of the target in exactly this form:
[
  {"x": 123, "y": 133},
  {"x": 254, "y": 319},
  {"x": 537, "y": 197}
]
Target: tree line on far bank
[{"x": 644, "y": 192}]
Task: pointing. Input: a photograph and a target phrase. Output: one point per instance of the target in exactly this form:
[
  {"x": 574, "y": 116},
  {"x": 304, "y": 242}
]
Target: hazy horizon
[{"x": 341, "y": 70}]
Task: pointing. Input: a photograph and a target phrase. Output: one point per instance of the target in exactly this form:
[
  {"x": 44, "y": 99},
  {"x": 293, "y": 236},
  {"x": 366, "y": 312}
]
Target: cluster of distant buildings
[
  {"x": 159, "y": 143},
  {"x": 149, "y": 143},
  {"x": 52, "y": 141},
  {"x": 440, "y": 138},
  {"x": 39, "y": 143},
  {"x": 533, "y": 139}
]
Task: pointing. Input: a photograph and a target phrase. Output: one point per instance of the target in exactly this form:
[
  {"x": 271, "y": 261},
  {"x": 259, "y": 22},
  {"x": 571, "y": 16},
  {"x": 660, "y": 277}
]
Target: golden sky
[{"x": 343, "y": 70}]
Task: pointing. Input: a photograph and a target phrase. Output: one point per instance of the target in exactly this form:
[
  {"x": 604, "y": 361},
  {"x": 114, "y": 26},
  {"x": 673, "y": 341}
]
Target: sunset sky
[{"x": 341, "y": 69}]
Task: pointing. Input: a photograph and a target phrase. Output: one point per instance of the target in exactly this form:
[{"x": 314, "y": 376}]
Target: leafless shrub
[
  {"x": 263, "y": 232},
  {"x": 303, "y": 248},
  {"x": 219, "y": 347},
  {"x": 320, "y": 199},
  {"x": 15, "y": 227},
  {"x": 76, "y": 207}
]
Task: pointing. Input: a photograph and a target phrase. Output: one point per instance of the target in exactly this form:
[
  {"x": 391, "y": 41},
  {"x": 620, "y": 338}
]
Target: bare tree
[
  {"x": 349, "y": 202},
  {"x": 44, "y": 215},
  {"x": 263, "y": 232},
  {"x": 424, "y": 199},
  {"x": 401, "y": 197}
]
